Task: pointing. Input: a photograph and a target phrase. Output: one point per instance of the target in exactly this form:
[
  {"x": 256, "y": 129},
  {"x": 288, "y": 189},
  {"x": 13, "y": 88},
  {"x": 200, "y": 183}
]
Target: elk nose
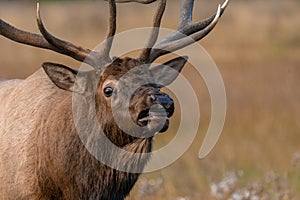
[{"x": 162, "y": 99}]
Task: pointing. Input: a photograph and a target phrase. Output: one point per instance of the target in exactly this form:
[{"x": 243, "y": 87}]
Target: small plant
[{"x": 270, "y": 187}]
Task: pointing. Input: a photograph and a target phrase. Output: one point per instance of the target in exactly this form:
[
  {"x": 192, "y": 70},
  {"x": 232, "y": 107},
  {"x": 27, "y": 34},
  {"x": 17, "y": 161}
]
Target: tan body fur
[{"x": 41, "y": 154}]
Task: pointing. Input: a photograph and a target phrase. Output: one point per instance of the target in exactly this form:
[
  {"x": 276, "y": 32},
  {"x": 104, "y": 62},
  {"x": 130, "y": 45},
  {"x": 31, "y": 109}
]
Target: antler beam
[
  {"x": 50, "y": 42},
  {"x": 196, "y": 31},
  {"x": 106, "y": 47},
  {"x": 187, "y": 33},
  {"x": 64, "y": 47},
  {"x": 137, "y": 1},
  {"x": 47, "y": 41},
  {"x": 144, "y": 56},
  {"x": 38, "y": 40}
]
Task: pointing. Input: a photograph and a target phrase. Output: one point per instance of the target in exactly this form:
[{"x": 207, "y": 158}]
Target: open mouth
[
  {"x": 146, "y": 116},
  {"x": 156, "y": 119},
  {"x": 158, "y": 116}
]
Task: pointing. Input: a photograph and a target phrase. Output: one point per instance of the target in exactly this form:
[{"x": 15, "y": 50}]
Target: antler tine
[
  {"x": 195, "y": 31},
  {"x": 144, "y": 55},
  {"x": 186, "y": 12},
  {"x": 137, "y": 1},
  {"x": 64, "y": 47},
  {"x": 171, "y": 46},
  {"x": 24, "y": 37},
  {"x": 193, "y": 27},
  {"x": 35, "y": 40},
  {"x": 106, "y": 46}
]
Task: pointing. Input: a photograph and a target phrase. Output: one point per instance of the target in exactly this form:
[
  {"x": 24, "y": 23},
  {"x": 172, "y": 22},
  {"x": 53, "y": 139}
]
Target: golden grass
[{"x": 256, "y": 46}]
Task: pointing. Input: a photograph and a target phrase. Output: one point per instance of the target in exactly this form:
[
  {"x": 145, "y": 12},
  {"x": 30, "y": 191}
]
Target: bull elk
[{"x": 41, "y": 153}]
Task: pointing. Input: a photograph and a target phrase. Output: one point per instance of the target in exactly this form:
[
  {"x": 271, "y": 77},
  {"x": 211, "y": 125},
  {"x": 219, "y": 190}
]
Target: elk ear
[
  {"x": 62, "y": 76},
  {"x": 166, "y": 73}
]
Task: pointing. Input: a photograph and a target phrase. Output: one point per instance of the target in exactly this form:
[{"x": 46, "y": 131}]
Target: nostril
[
  {"x": 170, "y": 103},
  {"x": 165, "y": 101}
]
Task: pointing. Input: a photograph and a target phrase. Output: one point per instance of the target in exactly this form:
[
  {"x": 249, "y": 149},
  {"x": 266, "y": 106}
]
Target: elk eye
[{"x": 108, "y": 91}]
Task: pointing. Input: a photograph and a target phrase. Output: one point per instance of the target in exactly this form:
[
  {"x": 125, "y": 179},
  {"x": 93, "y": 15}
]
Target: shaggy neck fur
[{"x": 68, "y": 171}]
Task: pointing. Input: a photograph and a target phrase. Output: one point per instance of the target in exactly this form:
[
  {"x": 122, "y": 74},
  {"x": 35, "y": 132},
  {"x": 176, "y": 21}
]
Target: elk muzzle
[{"x": 159, "y": 107}]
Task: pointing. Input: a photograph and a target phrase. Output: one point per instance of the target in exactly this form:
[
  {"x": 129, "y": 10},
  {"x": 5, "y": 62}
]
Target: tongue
[
  {"x": 154, "y": 116},
  {"x": 157, "y": 115}
]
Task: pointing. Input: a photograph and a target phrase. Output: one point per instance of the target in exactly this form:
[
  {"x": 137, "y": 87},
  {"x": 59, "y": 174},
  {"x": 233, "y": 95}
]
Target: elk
[{"x": 41, "y": 153}]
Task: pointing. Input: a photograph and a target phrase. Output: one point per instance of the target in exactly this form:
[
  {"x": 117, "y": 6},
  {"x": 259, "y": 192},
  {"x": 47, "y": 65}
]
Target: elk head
[{"x": 148, "y": 107}]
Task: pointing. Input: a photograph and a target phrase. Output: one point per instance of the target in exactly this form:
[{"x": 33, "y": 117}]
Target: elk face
[{"x": 127, "y": 86}]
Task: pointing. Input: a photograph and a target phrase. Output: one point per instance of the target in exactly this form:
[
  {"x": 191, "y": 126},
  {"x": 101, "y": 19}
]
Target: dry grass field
[{"x": 256, "y": 46}]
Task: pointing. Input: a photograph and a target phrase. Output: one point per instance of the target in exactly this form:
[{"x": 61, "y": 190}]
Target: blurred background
[{"x": 256, "y": 46}]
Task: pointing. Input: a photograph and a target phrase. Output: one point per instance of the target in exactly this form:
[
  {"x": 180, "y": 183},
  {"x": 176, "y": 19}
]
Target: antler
[
  {"x": 106, "y": 46},
  {"x": 50, "y": 42},
  {"x": 137, "y": 1},
  {"x": 62, "y": 46},
  {"x": 155, "y": 31},
  {"x": 195, "y": 31},
  {"x": 153, "y": 49},
  {"x": 37, "y": 40},
  {"x": 187, "y": 32},
  {"x": 145, "y": 54}
]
